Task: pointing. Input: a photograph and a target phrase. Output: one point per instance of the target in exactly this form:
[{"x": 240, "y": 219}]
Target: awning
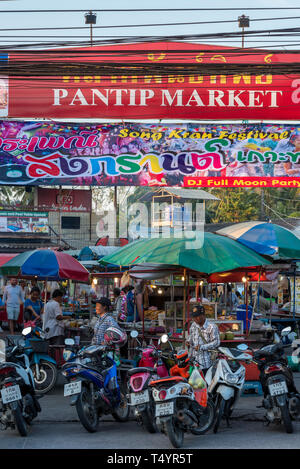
[{"x": 5, "y": 257}]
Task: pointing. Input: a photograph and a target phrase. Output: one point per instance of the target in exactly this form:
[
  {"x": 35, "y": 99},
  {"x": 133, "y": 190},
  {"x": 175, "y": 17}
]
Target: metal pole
[
  {"x": 294, "y": 302},
  {"x": 188, "y": 303},
  {"x": 184, "y": 307},
  {"x": 59, "y": 221},
  {"x": 91, "y": 32},
  {"x": 246, "y": 287}
]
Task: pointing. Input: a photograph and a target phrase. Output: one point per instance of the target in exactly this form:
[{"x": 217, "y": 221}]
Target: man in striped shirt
[{"x": 203, "y": 336}]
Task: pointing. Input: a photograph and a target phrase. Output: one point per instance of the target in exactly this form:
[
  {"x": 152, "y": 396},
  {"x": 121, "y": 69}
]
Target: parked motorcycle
[
  {"x": 179, "y": 406},
  {"x": 18, "y": 404},
  {"x": 93, "y": 385},
  {"x": 43, "y": 366},
  {"x": 281, "y": 398},
  {"x": 225, "y": 380},
  {"x": 152, "y": 362}
]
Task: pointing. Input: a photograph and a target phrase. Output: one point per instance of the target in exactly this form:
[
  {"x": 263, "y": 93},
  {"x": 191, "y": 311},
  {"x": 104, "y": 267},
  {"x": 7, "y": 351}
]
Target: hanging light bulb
[{"x": 160, "y": 291}]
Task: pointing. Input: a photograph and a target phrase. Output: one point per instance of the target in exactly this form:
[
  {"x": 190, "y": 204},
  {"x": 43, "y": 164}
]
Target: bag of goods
[
  {"x": 229, "y": 335},
  {"x": 196, "y": 380}
]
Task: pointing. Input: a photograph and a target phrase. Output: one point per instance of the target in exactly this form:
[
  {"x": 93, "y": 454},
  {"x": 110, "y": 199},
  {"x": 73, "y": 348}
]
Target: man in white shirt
[
  {"x": 53, "y": 319},
  {"x": 13, "y": 297}
]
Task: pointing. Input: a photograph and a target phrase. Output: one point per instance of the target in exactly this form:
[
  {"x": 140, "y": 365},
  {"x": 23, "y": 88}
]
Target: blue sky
[{"x": 31, "y": 20}]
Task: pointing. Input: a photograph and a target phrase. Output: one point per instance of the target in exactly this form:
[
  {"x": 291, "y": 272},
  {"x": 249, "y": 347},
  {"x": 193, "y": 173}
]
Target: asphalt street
[{"x": 58, "y": 427}]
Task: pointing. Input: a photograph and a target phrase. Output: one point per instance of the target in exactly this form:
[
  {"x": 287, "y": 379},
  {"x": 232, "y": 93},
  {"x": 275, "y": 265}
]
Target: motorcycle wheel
[
  {"x": 175, "y": 434},
  {"x": 87, "y": 413},
  {"x": 20, "y": 421},
  {"x": 220, "y": 413},
  {"x": 206, "y": 420},
  {"x": 287, "y": 422},
  {"x": 148, "y": 419},
  {"x": 121, "y": 413},
  {"x": 47, "y": 379}
]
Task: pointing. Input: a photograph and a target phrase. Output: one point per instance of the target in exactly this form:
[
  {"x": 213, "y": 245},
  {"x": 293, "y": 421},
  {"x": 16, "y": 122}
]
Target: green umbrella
[
  {"x": 214, "y": 254},
  {"x": 13, "y": 266}
]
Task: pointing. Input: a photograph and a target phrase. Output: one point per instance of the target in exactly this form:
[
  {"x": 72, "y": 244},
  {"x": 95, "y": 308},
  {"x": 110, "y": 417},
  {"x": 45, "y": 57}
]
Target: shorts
[{"x": 13, "y": 312}]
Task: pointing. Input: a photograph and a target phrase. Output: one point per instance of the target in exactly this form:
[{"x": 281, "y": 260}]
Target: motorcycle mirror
[
  {"x": 286, "y": 331},
  {"x": 242, "y": 347},
  {"x": 26, "y": 331},
  {"x": 276, "y": 339},
  {"x": 69, "y": 342},
  {"x": 134, "y": 334},
  {"x": 164, "y": 339}
]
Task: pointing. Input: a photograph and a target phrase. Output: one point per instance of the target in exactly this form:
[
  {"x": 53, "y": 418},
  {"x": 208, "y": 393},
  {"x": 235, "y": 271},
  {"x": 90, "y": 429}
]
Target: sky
[{"x": 76, "y": 20}]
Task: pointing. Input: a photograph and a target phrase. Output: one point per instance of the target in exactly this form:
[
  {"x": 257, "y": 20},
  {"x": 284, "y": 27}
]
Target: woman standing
[{"x": 33, "y": 306}]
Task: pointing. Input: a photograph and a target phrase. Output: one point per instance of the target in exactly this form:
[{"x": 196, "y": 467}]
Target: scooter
[
  {"x": 43, "y": 366},
  {"x": 225, "y": 380},
  {"x": 93, "y": 386},
  {"x": 18, "y": 404},
  {"x": 181, "y": 407},
  {"x": 152, "y": 362},
  {"x": 281, "y": 398}
]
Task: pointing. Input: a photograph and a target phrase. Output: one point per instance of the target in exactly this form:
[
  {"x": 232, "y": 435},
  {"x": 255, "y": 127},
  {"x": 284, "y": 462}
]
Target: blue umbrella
[{"x": 267, "y": 239}]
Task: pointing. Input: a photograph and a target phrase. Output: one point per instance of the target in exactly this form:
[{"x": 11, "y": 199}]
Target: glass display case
[
  {"x": 226, "y": 326},
  {"x": 174, "y": 313}
]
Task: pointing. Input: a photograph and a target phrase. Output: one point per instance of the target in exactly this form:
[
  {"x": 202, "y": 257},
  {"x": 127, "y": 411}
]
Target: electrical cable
[
  {"x": 130, "y": 10},
  {"x": 147, "y": 25}
]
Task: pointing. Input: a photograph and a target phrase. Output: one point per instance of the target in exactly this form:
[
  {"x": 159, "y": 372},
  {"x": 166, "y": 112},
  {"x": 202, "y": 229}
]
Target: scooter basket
[{"x": 39, "y": 346}]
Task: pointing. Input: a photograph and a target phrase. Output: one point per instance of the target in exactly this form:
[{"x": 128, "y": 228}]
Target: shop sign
[
  {"x": 23, "y": 222},
  {"x": 193, "y": 155}
]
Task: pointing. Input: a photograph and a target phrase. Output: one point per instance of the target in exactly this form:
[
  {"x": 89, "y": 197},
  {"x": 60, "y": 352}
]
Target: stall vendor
[
  {"x": 54, "y": 326},
  {"x": 104, "y": 320},
  {"x": 204, "y": 335},
  {"x": 33, "y": 306}
]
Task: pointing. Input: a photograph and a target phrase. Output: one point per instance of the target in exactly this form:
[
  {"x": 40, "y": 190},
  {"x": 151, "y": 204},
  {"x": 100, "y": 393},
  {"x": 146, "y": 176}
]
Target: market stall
[{"x": 213, "y": 254}]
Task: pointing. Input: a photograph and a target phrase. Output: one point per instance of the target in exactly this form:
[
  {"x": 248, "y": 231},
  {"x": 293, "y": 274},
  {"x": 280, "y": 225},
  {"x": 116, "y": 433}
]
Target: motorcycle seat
[
  {"x": 141, "y": 369},
  {"x": 167, "y": 380}
]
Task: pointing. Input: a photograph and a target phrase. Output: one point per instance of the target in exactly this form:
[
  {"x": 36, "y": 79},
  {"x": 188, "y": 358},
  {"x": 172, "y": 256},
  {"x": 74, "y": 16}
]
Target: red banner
[{"x": 156, "y": 96}]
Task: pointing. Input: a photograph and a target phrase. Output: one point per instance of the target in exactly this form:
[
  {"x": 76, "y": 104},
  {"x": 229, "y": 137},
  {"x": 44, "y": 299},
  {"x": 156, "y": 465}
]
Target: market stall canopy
[
  {"x": 240, "y": 275},
  {"x": 46, "y": 265},
  {"x": 214, "y": 254},
  {"x": 95, "y": 252},
  {"x": 152, "y": 271},
  {"x": 265, "y": 238}
]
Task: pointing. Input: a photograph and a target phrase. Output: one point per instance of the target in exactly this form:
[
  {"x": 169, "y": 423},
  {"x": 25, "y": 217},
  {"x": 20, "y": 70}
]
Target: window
[{"x": 70, "y": 223}]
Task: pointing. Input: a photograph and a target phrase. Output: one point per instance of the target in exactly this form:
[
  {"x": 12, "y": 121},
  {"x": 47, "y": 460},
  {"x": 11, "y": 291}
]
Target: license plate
[
  {"x": 72, "y": 388},
  {"x": 137, "y": 398},
  {"x": 11, "y": 394},
  {"x": 278, "y": 388},
  {"x": 167, "y": 408}
]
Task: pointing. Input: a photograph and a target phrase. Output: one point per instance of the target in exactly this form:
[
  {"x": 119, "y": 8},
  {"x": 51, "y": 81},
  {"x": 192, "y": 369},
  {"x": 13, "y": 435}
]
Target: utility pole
[
  {"x": 116, "y": 208},
  {"x": 262, "y": 205},
  {"x": 90, "y": 18},
  {"x": 244, "y": 22}
]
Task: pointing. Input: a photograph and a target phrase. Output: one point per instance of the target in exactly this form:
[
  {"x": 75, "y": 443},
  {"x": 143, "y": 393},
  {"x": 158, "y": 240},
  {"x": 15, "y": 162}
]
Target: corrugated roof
[{"x": 197, "y": 194}]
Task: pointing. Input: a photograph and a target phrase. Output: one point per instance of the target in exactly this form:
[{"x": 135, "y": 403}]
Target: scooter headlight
[
  {"x": 67, "y": 354},
  {"x": 231, "y": 378}
]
